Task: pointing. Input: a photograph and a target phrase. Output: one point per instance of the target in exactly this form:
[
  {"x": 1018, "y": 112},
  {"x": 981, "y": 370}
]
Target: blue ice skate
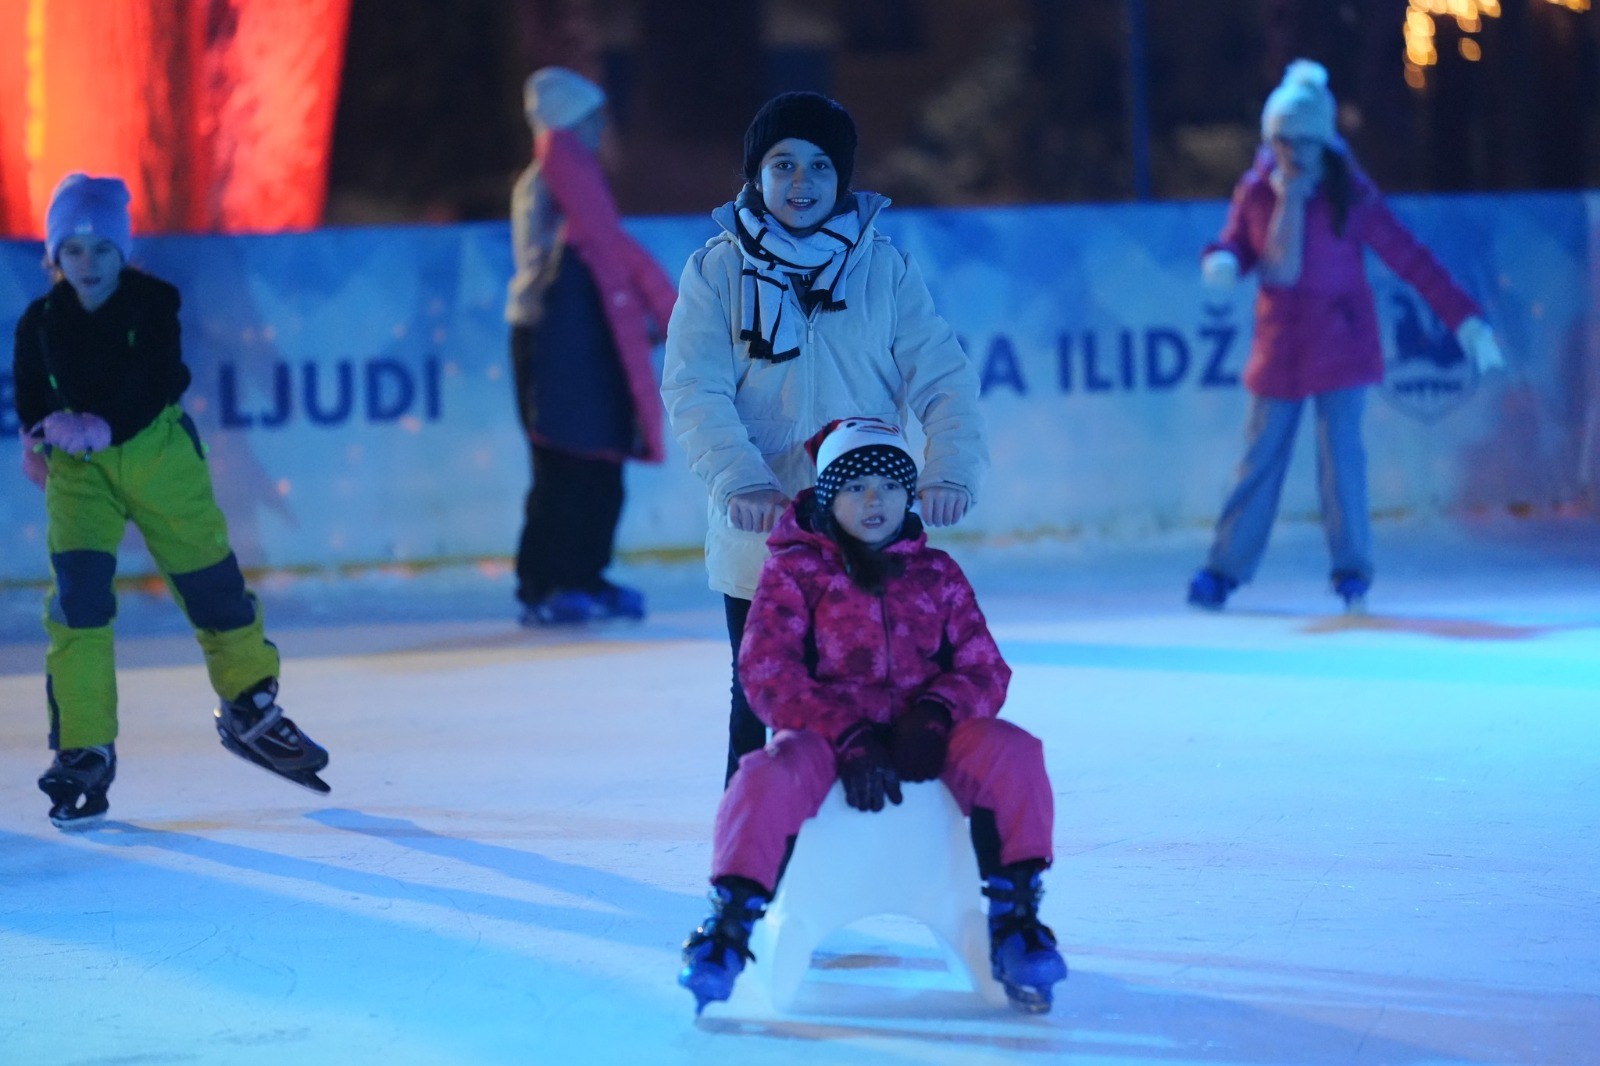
[
  {"x": 1209, "y": 589},
  {"x": 76, "y": 783},
  {"x": 1351, "y": 587},
  {"x": 618, "y": 601},
  {"x": 563, "y": 607},
  {"x": 1022, "y": 950},
  {"x": 715, "y": 953}
]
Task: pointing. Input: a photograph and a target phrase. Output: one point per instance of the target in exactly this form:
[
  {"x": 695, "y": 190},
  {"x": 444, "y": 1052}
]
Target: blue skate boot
[
  {"x": 1351, "y": 587},
  {"x": 715, "y": 954},
  {"x": 77, "y": 782},
  {"x": 1209, "y": 589},
  {"x": 1022, "y": 949},
  {"x": 617, "y": 601},
  {"x": 563, "y": 607}
]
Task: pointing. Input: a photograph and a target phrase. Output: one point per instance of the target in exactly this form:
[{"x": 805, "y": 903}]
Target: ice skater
[
  {"x": 99, "y": 372},
  {"x": 585, "y": 306},
  {"x": 1302, "y": 217},
  {"x": 866, "y": 652},
  {"x": 799, "y": 313}
]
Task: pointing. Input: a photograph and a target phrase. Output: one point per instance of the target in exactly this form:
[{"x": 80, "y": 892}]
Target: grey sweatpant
[{"x": 1246, "y": 521}]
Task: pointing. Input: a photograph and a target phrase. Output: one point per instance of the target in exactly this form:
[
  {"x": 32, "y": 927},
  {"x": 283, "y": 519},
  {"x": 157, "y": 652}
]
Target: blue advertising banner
[{"x": 353, "y": 386}]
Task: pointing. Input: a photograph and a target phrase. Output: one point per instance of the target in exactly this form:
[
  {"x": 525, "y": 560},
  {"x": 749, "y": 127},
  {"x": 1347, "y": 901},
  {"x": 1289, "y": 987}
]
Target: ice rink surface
[{"x": 1283, "y": 836}]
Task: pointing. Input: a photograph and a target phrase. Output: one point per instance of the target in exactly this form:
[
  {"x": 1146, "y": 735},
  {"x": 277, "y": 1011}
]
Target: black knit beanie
[{"x": 809, "y": 117}]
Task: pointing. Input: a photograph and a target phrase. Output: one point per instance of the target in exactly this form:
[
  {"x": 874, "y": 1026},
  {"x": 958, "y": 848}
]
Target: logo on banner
[{"x": 1427, "y": 374}]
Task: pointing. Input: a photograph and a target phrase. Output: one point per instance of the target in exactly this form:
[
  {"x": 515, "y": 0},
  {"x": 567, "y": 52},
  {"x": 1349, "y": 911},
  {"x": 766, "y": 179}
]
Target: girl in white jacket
[{"x": 797, "y": 314}]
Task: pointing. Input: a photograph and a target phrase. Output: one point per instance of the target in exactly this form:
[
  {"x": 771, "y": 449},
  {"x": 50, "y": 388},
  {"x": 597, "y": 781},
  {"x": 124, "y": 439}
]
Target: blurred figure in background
[
  {"x": 586, "y": 305},
  {"x": 1302, "y": 217}
]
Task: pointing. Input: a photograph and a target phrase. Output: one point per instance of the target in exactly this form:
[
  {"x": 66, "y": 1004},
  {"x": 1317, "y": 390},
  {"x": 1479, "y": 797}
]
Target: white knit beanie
[
  {"x": 557, "y": 98},
  {"x": 853, "y": 447},
  {"x": 1301, "y": 105}
]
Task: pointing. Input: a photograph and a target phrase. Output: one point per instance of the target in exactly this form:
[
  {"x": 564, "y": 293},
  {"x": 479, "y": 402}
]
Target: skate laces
[
  {"x": 1016, "y": 911},
  {"x": 85, "y": 758},
  {"x": 256, "y": 714},
  {"x": 729, "y": 927}
]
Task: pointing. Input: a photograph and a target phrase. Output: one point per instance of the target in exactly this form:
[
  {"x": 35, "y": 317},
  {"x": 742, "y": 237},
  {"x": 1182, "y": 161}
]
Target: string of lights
[{"x": 1421, "y": 30}]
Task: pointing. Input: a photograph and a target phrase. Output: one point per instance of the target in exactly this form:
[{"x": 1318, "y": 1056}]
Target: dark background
[{"x": 958, "y": 101}]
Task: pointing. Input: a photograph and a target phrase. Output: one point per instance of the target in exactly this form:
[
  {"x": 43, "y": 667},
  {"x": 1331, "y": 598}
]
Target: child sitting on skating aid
[
  {"x": 868, "y": 656},
  {"x": 99, "y": 372}
]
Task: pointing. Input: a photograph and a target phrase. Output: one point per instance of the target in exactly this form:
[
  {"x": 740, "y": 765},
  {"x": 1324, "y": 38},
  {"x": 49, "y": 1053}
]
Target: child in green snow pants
[{"x": 159, "y": 481}]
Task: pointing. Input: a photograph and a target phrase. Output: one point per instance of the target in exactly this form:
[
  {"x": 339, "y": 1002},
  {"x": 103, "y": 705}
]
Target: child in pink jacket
[
  {"x": 866, "y": 653},
  {"x": 585, "y": 307},
  {"x": 1303, "y": 217}
]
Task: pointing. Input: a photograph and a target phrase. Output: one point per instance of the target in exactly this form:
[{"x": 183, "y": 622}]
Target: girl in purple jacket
[
  {"x": 1302, "y": 218},
  {"x": 866, "y": 653}
]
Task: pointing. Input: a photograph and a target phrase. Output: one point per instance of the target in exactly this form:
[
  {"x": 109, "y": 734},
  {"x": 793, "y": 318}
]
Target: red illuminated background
[
  {"x": 258, "y": 115},
  {"x": 217, "y": 113}
]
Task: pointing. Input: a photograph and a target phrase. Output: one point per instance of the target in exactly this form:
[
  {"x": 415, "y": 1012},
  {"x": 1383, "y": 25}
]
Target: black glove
[
  {"x": 920, "y": 739},
  {"x": 865, "y": 768}
]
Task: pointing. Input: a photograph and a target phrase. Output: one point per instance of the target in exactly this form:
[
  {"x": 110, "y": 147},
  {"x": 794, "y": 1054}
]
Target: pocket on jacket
[{"x": 193, "y": 434}]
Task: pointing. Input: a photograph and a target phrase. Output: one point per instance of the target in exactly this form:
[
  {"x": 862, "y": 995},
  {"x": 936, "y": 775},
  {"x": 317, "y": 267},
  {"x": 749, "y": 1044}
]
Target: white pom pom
[{"x": 1306, "y": 72}]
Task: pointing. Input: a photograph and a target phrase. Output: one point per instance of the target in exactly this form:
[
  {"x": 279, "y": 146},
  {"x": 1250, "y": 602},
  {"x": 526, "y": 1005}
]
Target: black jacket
[{"x": 122, "y": 361}]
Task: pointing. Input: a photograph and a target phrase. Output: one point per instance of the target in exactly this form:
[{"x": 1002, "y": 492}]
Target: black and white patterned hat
[{"x": 854, "y": 447}]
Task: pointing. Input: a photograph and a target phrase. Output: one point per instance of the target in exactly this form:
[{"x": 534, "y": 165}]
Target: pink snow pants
[{"x": 991, "y": 764}]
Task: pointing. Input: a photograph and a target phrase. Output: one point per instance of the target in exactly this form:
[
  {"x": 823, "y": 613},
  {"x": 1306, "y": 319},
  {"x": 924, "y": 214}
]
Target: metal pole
[{"x": 1138, "y": 99}]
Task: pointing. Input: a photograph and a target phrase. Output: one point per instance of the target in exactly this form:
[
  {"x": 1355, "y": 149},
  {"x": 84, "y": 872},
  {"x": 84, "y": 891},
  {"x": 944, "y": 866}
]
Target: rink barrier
[{"x": 354, "y": 390}]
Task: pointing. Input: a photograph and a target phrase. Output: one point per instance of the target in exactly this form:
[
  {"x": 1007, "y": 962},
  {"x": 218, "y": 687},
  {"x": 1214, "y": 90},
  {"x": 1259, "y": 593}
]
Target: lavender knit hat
[{"x": 83, "y": 206}]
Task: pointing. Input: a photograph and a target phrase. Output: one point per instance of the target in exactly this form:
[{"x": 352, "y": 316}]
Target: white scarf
[
  {"x": 772, "y": 256},
  {"x": 1284, "y": 254}
]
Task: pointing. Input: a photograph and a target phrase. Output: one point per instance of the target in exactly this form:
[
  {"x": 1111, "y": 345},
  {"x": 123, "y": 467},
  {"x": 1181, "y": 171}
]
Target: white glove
[
  {"x": 1219, "y": 269},
  {"x": 1477, "y": 340}
]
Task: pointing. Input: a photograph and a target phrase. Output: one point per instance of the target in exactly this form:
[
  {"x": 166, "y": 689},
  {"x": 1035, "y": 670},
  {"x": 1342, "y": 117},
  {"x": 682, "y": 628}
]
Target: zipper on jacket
[{"x": 888, "y": 654}]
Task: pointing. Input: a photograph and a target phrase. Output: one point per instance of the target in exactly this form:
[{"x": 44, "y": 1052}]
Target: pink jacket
[
  {"x": 820, "y": 654},
  {"x": 1321, "y": 333},
  {"x": 635, "y": 291}
]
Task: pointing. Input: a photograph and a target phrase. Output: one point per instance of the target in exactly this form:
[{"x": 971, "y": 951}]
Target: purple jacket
[
  {"x": 1321, "y": 333},
  {"x": 821, "y": 654}
]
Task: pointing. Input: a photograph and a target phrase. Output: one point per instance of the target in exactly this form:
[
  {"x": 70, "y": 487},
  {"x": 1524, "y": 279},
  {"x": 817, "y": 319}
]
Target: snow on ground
[{"x": 1283, "y": 836}]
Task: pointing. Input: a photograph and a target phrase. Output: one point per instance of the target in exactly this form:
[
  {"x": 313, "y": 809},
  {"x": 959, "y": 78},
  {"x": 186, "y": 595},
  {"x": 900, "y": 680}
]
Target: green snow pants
[{"x": 160, "y": 482}]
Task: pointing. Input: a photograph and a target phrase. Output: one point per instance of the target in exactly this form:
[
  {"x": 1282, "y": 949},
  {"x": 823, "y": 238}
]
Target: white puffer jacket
[{"x": 743, "y": 422}]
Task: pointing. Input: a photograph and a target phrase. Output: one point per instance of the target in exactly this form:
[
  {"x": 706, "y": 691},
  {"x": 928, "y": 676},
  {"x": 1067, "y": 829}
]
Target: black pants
[
  {"x": 746, "y": 732},
  {"x": 569, "y": 523}
]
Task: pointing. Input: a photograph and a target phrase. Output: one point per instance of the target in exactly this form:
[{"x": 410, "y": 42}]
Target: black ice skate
[
  {"x": 254, "y": 727},
  {"x": 76, "y": 784}
]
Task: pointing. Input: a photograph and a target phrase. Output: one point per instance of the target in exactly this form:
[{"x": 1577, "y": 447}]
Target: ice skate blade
[
  {"x": 1356, "y": 607},
  {"x": 1029, "y": 1000},
  {"x": 702, "y": 995},
  {"x": 73, "y": 822},
  {"x": 304, "y": 778}
]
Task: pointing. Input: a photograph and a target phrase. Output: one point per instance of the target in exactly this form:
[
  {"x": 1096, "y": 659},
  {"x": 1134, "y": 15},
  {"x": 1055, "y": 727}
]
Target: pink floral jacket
[
  {"x": 1321, "y": 333},
  {"x": 821, "y": 654}
]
